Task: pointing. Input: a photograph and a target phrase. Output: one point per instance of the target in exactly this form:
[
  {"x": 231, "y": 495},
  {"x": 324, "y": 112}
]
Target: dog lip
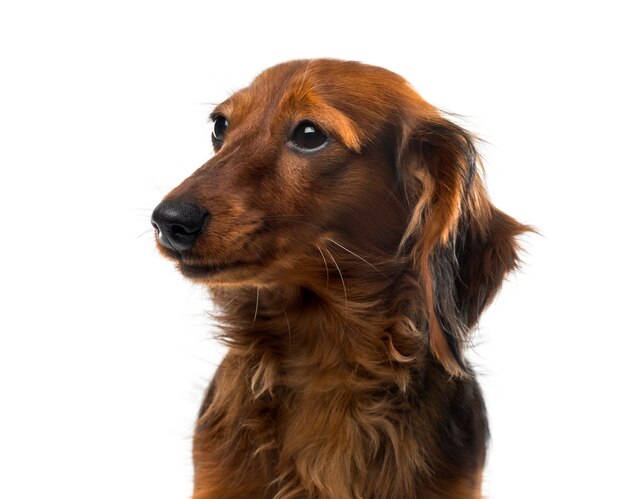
[{"x": 204, "y": 269}]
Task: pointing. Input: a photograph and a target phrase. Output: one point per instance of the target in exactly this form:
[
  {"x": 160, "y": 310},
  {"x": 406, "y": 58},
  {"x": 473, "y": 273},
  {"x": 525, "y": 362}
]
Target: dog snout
[{"x": 178, "y": 224}]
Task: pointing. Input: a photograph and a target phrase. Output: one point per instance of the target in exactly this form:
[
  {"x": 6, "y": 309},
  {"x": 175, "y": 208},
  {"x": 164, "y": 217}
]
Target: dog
[{"x": 345, "y": 235}]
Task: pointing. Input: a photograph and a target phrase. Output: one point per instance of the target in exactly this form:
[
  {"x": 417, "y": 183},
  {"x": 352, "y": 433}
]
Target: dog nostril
[
  {"x": 178, "y": 224},
  {"x": 179, "y": 230}
]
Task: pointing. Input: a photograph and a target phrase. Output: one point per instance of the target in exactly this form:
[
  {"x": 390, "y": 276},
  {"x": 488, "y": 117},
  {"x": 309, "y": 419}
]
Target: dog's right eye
[
  {"x": 220, "y": 125},
  {"x": 308, "y": 137}
]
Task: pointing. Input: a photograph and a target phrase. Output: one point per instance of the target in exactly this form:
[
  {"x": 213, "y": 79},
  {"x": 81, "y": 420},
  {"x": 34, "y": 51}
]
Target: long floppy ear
[{"x": 461, "y": 246}]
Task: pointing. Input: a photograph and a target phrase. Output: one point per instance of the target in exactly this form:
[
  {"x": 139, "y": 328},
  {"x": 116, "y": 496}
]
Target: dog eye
[
  {"x": 308, "y": 137},
  {"x": 220, "y": 125}
]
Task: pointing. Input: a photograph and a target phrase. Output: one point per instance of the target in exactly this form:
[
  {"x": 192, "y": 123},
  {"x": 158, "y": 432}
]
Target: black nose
[{"x": 178, "y": 224}]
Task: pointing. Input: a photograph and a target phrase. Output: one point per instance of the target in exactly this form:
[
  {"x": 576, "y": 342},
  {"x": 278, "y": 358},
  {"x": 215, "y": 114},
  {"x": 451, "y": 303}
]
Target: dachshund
[{"x": 345, "y": 235}]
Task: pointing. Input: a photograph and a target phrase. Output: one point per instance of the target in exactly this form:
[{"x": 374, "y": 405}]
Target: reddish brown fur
[{"x": 348, "y": 281}]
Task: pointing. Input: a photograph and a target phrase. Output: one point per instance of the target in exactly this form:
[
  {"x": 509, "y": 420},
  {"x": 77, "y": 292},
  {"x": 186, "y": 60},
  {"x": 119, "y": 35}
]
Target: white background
[{"x": 105, "y": 350}]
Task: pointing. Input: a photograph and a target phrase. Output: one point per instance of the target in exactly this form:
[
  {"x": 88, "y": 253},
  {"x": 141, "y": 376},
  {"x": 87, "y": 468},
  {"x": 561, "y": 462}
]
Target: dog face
[
  {"x": 289, "y": 172},
  {"x": 324, "y": 152}
]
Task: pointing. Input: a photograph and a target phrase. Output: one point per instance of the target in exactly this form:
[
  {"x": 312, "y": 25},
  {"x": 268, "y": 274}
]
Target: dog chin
[{"x": 218, "y": 274}]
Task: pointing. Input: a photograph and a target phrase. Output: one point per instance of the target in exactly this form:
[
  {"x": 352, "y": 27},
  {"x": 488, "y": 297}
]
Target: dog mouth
[
  {"x": 203, "y": 270},
  {"x": 197, "y": 268}
]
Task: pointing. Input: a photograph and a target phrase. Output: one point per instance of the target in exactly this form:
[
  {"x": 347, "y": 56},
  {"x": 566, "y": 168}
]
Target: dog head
[{"x": 325, "y": 150}]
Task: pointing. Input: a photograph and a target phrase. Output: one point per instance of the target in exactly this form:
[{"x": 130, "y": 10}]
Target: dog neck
[{"x": 334, "y": 328}]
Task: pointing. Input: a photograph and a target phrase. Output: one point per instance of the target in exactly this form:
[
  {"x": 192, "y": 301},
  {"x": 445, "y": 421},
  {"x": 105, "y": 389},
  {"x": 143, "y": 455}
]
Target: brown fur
[{"x": 348, "y": 281}]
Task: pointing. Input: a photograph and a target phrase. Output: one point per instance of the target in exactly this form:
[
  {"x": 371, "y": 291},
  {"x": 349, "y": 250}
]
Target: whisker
[
  {"x": 158, "y": 187},
  {"x": 325, "y": 264},
  {"x": 145, "y": 232},
  {"x": 230, "y": 301},
  {"x": 360, "y": 258},
  {"x": 345, "y": 292},
  {"x": 256, "y": 309}
]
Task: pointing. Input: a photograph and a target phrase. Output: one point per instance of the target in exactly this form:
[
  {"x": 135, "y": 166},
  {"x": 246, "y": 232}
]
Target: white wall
[{"x": 105, "y": 350}]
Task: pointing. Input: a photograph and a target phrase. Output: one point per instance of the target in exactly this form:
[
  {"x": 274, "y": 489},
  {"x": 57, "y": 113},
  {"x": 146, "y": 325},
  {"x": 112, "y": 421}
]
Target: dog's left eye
[
  {"x": 220, "y": 125},
  {"x": 308, "y": 137}
]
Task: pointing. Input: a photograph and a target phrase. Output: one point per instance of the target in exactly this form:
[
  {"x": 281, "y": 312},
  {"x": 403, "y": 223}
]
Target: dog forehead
[
  {"x": 350, "y": 98},
  {"x": 344, "y": 84},
  {"x": 366, "y": 95},
  {"x": 266, "y": 91}
]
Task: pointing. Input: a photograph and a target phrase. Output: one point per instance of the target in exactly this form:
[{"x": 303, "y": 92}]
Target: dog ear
[{"x": 461, "y": 246}]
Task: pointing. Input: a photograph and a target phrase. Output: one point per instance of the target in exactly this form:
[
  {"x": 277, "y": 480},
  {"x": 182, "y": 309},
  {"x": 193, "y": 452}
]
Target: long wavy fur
[{"x": 348, "y": 281}]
